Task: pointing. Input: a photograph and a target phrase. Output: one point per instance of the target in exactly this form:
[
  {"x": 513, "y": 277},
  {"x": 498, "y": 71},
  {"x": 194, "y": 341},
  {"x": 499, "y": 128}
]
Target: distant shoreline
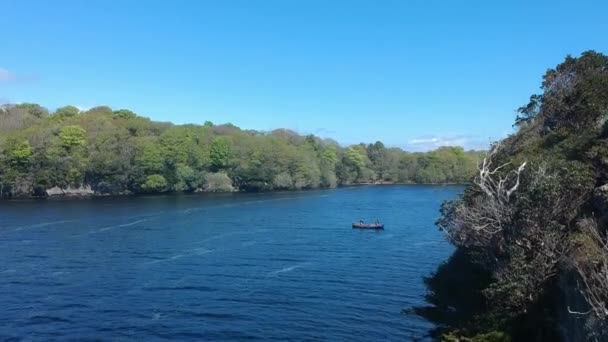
[
  {"x": 396, "y": 183},
  {"x": 91, "y": 195}
]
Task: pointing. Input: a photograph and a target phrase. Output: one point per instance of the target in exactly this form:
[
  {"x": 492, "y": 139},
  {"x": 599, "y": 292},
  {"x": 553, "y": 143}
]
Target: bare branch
[{"x": 489, "y": 212}]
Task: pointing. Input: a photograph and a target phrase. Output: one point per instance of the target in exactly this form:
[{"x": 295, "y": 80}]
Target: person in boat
[
  {"x": 361, "y": 221},
  {"x": 377, "y": 221}
]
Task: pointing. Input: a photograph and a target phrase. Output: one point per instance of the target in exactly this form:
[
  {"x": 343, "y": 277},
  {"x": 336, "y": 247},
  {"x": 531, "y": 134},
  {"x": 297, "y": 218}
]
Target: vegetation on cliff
[
  {"x": 530, "y": 230},
  {"x": 119, "y": 152}
]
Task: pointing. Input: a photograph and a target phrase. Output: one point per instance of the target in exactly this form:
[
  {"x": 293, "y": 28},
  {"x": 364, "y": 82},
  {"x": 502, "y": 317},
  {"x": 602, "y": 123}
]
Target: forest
[
  {"x": 119, "y": 152},
  {"x": 530, "y": 229}
]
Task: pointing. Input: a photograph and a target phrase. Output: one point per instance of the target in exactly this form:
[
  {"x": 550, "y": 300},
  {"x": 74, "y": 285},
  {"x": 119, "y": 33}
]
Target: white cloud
[
  {"x": 7, "y": 76},
  {"x": 427, "y": 143},
  {"x": 424, "y": 141}
]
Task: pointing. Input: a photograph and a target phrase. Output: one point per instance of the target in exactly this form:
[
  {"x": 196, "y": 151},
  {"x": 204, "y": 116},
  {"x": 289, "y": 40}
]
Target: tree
[
  {"x": 123, "y": 114},
  {"x": 66, "y": 112},
  {"x": 18, "y": 152},
  {"x": 150, "y": 160},
  {"x": 354, "y": 158},
  {"x": 33, "y": 109},
  {"x": 219, "y": 153},
  {"x": 72, "y": 136},
  {"x": 155, "y": 183},
  {"x": 187, "y": 179}
]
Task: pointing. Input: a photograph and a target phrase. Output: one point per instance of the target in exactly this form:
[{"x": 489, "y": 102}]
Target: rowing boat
[{"x": 368, "y": 225}]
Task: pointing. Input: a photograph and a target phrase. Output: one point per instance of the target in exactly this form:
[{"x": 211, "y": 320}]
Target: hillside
[
  {"x": 105, "y": 151},
  {"x": 532, "y": 256}
]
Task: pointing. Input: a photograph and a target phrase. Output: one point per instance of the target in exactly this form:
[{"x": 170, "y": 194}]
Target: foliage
[
  {"x": 66, "y": 112},
  {"x": 72, "y": 136},
  {"x": 119, "y": 152},
  {"x": 18, "y": 153},
  {"x": 154, "y": 183},
  {"x": 123, "y": 114},
  {"x": 219, "y": 153},
  {"x": 535, "y": 214}
]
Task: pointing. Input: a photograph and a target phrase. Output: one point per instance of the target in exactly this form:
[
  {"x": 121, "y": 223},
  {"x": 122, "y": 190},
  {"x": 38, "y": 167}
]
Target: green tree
[
  {"x": 123, "y": 114},
  {"x": 187, "y": 179},
  {"x": 18, "y": 152},
  {"x": 67, "y": 112},
  {"x": 219, "y": 153},
  {"x": 72, "y": 136},
  {"x": 151, "y": 159},
  {"x": 155, "y": 183}
]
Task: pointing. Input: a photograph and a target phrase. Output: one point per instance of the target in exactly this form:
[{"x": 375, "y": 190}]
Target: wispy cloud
[
  {"x": 7, "y": 76},
  {"x": 431, "y": 142}
]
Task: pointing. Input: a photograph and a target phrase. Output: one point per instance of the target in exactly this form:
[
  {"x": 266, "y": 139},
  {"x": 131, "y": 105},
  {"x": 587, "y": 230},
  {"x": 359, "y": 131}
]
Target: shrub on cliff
[{"x": 530, "y": 217}]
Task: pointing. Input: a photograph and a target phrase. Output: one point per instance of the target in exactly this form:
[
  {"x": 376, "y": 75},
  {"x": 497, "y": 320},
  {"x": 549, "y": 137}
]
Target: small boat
[{"x": 361, "y": 225}]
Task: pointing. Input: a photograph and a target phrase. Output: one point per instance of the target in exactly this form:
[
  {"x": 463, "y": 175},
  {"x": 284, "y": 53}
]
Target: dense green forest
[
  {"x": 530, "y": 229},
  {"x": 120, "y": 152}
]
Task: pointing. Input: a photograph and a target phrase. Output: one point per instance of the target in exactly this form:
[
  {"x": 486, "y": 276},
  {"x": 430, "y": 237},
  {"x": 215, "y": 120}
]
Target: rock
[
  {"x": 83, "y": 190},
  {"x": 54, "y": 191},
  {"x": 218, "y": 182}
]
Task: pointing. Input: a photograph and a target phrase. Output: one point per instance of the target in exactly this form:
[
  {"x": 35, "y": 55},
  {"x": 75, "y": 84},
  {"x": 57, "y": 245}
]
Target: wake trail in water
[
  {"x": 269, "y": 200},
  {"x": 426, "y": 243},
  {"x": 211, "y": 238},
  {"x": 120, "y": 225},
  {"x": 44, "y": 224},
  {"x": 204, "y": 250},
  {"x": 231, "y": 205},
  {"x": 186, "y": 253},
  {"x": 216, "y": 237},
  {"x": 288, "y": 269},
  {"x": 200, "y": 250}
]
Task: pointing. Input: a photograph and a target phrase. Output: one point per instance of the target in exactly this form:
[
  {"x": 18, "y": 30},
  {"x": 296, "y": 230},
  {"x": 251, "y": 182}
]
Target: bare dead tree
[{"x": 490, "y": 211}]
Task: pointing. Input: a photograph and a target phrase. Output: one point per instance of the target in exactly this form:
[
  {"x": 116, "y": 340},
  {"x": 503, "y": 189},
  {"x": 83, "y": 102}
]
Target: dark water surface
[{"x": 220, "y": 267}]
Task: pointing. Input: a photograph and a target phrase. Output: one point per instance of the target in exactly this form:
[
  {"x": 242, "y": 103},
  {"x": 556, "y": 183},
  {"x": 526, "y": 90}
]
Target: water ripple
[{"x": 227, "y": 267}]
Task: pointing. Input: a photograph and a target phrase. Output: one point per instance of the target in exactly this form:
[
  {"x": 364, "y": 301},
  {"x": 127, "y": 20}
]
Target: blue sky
[{"x": 414, "y": 74}]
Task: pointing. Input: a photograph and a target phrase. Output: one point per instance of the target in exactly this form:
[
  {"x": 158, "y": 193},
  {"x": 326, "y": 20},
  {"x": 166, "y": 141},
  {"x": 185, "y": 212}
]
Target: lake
[{"x": 270, "y": 266}]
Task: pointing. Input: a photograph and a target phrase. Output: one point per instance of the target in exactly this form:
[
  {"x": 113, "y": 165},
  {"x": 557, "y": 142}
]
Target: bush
[{"x": 155, "y": 183}]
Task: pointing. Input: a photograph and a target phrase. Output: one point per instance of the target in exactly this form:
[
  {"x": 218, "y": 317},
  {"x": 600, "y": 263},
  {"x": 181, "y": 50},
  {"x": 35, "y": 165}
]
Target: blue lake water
[{"x": 271, "y": 266}]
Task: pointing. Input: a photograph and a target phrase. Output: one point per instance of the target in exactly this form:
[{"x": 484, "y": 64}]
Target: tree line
[{"x": 120, "y": 152}]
